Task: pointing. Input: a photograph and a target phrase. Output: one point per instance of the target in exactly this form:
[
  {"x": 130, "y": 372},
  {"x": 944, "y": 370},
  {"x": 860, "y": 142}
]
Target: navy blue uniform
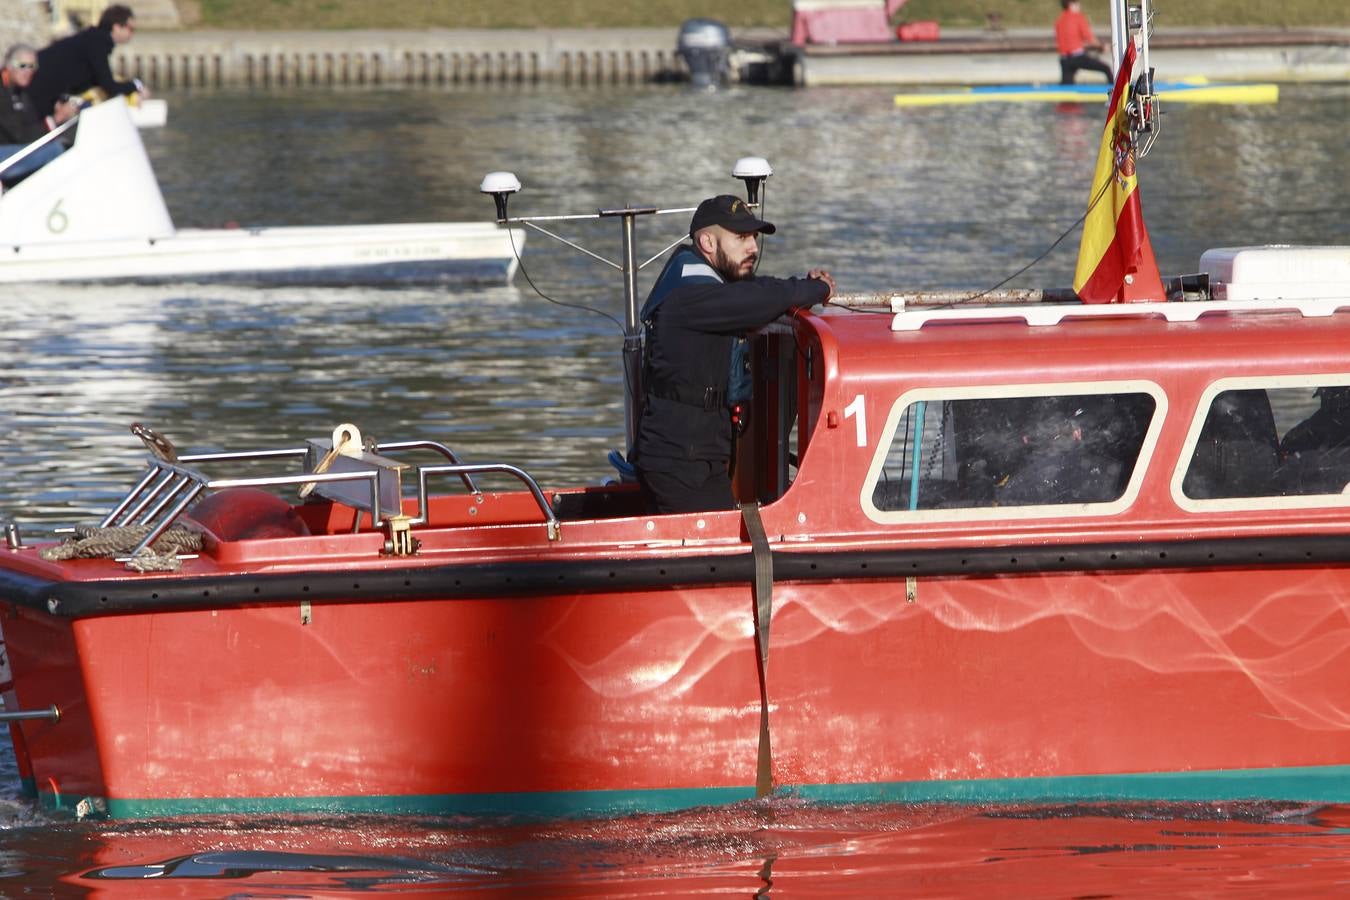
[{"x": 684, "y": 436}]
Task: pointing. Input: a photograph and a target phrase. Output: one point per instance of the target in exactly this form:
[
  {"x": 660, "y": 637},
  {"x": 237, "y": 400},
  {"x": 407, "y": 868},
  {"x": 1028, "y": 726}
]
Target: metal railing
[
  {"x": 168, "y": 488},
  {"x": 464, "y": 471}
]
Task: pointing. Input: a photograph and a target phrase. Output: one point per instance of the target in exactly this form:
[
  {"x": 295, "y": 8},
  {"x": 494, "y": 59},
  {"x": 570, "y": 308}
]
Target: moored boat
[{"x": 96, "y": 214}]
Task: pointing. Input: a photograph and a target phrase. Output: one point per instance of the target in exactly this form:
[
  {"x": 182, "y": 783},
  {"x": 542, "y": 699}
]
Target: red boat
[
  {"x": 1044, "y": 551},
  {"x": 1009, "y": 551}
]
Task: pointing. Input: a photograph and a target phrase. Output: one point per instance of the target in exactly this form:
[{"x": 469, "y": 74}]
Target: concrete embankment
[
  {"x": 434, "y": 56},
  {"x": 980, "y": 58},
  {"x": 603, "y": 56}
]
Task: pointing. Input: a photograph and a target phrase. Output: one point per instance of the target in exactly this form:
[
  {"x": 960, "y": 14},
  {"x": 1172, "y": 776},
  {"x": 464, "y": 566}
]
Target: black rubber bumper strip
[{"x": 535, "y": 578}]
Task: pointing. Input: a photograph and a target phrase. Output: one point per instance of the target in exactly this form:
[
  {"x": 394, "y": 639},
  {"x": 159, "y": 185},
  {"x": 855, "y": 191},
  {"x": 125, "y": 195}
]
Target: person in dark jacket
[
  {"x": 706, "y": 299},
  {"x": 77, "y": 63},
  {"x": 20, "y": 123}
]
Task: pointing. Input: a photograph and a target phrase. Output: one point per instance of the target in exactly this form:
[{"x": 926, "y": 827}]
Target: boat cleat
[{"x": 400, "y": 541}]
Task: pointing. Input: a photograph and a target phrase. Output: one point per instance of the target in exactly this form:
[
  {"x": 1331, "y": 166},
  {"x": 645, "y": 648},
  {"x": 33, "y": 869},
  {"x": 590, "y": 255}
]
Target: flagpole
[
  {"x": 1144, "y": 10},
  {"x": 1119, "y": 35}
]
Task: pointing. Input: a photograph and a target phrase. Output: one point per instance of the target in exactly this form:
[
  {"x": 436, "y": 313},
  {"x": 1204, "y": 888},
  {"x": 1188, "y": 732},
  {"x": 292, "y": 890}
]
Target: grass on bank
[{"x": 325, "y": 14}]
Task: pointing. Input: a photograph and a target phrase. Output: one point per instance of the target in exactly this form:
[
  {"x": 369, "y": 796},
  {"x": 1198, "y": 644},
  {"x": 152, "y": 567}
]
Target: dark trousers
[
  {"x": 682, "y": 486},
  {"x": 1069, "y": 66}
]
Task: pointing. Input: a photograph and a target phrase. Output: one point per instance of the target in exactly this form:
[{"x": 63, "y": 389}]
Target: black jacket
[
  {"x": 688, "y": 354},
  {"x": 73, "y": 65},
  {"x": 19, "y": 122}
]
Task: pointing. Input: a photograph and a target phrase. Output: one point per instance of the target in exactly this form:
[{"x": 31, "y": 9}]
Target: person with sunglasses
[
  {"x": 20, "y": 123},
  {"x": 78, "y": 63}
]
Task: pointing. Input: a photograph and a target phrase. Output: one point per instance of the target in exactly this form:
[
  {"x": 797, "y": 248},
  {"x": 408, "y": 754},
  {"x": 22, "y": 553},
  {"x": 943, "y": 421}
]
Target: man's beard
[{"x": 730, "y": 272}]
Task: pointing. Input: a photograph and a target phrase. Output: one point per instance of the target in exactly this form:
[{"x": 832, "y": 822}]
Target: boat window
[
  {"x": 1283, "y": 440},
  {"x": 1025, "y": 450}
]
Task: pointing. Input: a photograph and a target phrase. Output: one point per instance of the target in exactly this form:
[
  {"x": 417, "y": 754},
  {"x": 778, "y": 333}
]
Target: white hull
[
  {"x": 96, "y": 214},
  {"x": 456, "y": 252}
]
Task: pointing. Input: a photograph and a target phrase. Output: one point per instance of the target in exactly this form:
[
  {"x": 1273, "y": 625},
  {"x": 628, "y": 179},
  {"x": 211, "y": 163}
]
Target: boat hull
[
  {"x": 1072, "y": 685},
  {"x": 449, "y": 252}
]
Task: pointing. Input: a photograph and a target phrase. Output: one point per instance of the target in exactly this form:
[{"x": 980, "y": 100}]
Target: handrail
[
  {"x": 187, "y": 484},
  {"x": 1173, "y": 311},
  {"x": 241, "y": 455},
  {"x": 168, "y": 488},
  {"x": 437, "y": 446},
  {"x": 947, "y": 299},
  {"x": 554, "y": 527}
]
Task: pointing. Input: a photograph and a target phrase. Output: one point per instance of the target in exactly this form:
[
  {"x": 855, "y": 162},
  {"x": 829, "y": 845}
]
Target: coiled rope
[{"x": 92, "y": 542}]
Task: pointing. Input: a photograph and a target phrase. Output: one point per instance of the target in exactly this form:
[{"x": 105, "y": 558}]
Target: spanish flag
[{"x": 1115, "y": 259}]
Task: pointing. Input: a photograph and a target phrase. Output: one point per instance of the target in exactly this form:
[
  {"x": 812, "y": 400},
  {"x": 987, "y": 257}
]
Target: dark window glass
[
  {"x": 1014, "y": 451},
  {"x": 1272, "y": 442}
]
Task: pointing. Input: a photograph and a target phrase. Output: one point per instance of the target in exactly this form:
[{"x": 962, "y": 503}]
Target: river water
[{"x": 959, "y": 196}]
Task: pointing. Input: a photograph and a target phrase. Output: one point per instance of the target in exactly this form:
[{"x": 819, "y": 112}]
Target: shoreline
[{"x": 582, "y": 56}]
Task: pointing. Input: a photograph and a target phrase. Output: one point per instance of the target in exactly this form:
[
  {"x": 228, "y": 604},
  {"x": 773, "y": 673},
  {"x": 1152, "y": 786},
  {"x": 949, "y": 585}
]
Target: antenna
[
  {"x": 501, "y": 185},
  {"x": 754, "y": 171}
]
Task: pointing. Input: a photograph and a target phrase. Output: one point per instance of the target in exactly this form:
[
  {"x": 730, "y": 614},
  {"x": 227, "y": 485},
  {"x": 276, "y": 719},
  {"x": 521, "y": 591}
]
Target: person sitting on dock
[
  {"x": 706, "y": 298},
  {"x": 79, "y": 62},
  {"x": 1073, "y": 39},
  {"x": 20, "y": 123}
]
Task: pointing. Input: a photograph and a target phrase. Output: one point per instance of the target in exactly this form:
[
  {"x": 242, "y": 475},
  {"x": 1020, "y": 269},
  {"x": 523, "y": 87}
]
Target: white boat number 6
[
  {"x": 57, "y": 220},
  {"x": 857, "y": 409}
]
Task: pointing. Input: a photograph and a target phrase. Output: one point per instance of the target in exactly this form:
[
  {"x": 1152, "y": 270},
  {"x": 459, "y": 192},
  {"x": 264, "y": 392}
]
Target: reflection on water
[
  {"x": 779, "y": 848},
  {"x": 884, "y": 197}
]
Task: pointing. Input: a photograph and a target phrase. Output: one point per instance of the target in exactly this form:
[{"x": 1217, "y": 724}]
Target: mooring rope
[{"x": 91, "y": 542}]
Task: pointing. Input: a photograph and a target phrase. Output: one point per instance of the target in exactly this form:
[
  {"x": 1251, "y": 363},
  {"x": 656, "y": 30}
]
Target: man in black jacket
[
  {"x": 77, "y": 63},
  {"x": 706, "y": 299},
  {"x": 20, "y": 123}
]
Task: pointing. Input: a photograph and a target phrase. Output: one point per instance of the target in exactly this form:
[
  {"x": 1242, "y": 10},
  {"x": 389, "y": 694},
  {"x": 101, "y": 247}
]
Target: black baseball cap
[{"x": 729, "y": 212}]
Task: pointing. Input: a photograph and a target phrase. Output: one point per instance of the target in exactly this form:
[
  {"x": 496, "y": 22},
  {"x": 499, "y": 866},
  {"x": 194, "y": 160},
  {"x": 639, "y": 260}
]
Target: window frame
[
  {"x": 1225, "y": 504},
  {"x": 1012, "y": 391}
]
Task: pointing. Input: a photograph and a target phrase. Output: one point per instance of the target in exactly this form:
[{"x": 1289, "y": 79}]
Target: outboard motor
[{"x": 704, "y": 45}]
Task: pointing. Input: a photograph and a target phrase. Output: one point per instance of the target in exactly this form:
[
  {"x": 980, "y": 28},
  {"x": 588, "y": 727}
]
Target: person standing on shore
[
  {"x": 77, "y": 63},
  {"x": 1073, "y": 39}
]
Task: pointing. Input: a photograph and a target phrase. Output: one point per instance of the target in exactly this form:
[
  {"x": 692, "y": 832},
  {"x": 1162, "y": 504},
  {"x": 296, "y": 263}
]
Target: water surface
[{"x": 943, "y": 197}]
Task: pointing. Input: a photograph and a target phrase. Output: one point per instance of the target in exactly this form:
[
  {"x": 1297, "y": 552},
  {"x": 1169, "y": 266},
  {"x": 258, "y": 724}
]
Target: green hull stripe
[
  {"x": 1326, "y": 784},
  {"x": 547, "y": 805}
]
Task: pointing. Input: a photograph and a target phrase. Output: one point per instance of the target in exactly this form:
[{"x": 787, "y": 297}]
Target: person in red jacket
[{"x": 1073, "y": 39}]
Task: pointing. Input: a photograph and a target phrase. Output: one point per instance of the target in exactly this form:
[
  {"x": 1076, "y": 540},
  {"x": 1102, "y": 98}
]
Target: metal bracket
[
  {"x": 400, "y": 541},
  {"x": 22, "y": 715}
]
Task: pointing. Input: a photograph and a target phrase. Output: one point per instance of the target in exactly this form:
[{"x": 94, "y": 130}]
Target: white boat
[{"x": 96, "y": 213}]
